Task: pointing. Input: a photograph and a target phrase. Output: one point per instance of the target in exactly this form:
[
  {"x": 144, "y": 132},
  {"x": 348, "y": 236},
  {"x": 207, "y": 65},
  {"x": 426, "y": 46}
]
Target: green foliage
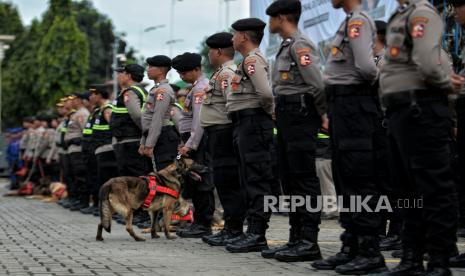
[
  {"x": 10, "y": 22},
  {"x": 63, "y": 59}
]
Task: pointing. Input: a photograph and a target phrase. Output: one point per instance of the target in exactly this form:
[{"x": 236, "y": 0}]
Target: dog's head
[{"x": 181, "y": 169}]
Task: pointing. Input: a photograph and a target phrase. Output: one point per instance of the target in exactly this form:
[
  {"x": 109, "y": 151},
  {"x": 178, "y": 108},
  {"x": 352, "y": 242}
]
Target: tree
[
  {"x": 63, "y": 59},
  {"x": 10, "y": 22}
]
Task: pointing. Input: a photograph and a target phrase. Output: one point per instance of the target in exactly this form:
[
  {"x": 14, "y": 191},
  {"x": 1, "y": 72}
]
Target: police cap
[
  {"x": 159, "y": 61},
  {"x": 186, "y": 62},
  {"x": 248, "y": 24},
  {"x": 99, "y": 89},
  {"x": 135, "y": 70},
  {"x": 284, "y": 7},
  {"x": 220, "y": 40}
]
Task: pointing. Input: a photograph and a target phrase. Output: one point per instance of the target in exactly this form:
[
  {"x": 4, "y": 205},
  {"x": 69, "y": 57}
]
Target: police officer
[
  {"x": 414, "y": 85},
  {"x": 126, "y": 121},
  {"x": 250, "y": 105},
  {"x": 72, "y": 140},
  {"x": 66, "y": 111},
  {"x": 160, "y": 138},
  {"x": 102, "y": 139},
  {"x": 88, "y": 153},
  {"x": 353, "y": 114},
  {"x": 219, "y": 134},
  {"x": 300, "y": 103},
  {"x": 188, "y": 66}
]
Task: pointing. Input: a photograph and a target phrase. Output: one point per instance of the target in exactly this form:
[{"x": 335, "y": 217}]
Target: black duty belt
[
  {"x": 294, "y": 98},
  {"x": 163, "y": 128},
  {"x": 412, "y": 98},
  {"x": 237, "y": 115},
  {"x": 218, "y": 127},
  {"x": 350, "y": 90}
]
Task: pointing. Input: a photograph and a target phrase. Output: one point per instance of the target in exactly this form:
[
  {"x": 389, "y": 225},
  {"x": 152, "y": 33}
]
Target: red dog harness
[{"x": 154, "y": 188}]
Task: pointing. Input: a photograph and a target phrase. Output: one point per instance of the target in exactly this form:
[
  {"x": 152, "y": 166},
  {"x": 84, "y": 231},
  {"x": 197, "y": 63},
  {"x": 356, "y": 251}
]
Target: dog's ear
[{"x": 167, "y": 176}]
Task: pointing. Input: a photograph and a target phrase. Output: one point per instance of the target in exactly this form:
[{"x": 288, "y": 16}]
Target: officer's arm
[
  {"x": 308, "y": 61},
  {"x": 360, "y": 34},
  {"x": 162, "y": 104},
  {"x": 256, "y": 70},
  {"x": 107, "y": 114},
  {"x": 426, "y": 30},
  {"x": 132, "y": 103},
  {"x": 197, "y": 130}
]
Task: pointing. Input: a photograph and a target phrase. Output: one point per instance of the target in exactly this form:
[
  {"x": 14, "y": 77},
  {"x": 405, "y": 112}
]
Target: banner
[{"x": 319, "y": 21}]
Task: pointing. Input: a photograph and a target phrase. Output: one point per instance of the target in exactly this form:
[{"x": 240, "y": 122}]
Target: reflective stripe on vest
[
  {"x": 124, "y": 110},
  {"x": 322, "y": 136},
  {"x": 98, "y": 126},
  {"x": 101, "y": 127},
  {"x": 178, "y": 105},
  {"x": 63, "y": 129},
  {"x": 87, "y": 131}
]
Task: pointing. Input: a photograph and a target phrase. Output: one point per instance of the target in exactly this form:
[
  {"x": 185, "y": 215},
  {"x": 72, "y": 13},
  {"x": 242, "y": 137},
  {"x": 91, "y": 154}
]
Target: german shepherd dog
[{"x": 125, "y": 194}]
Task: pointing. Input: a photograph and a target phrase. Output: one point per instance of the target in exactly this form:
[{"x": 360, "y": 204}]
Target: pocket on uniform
[
  {"x": 356, "y": 157},
  {"x": 258, "y": 166},
  {"x": 301, "y": 156},
  {"x": 285, "y": 72}
]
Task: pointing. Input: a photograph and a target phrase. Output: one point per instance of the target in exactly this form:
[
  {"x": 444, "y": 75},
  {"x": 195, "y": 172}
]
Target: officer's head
[
  {"x": 129, "y": 74},
  {"x": 283, "y": 12},
  {"x": 248, "y": 33},
  {"x": 68, "y": 102},
  {"x": 27, "y": 121},
  {"x": 459, "y": 8},
  {"x": 80, "y": 99},
  {"x": 158, "y": 67},
  {"x": 188, "y": 66},
  {"x": 220, "y": 48},
  {"x": 98, "y": 93},
  {"x": 60, "y": 108}
]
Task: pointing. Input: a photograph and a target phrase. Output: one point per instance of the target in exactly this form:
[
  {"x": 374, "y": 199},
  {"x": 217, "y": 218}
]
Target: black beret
[
  {"x": 135, "y": 70},
  {"x": 159, "y": 61},
  {"x": 456, "y": 2},
  {"x": 249, "y": 24},
  {"x": 284, "y": 7},
  {"x": 82, "y": 95},
  {"x": 380, "y": 27},
  {"x": 99, "y": 89},
  {"x": 186, "y": 62},
  {"x": 220, "y": 40}
]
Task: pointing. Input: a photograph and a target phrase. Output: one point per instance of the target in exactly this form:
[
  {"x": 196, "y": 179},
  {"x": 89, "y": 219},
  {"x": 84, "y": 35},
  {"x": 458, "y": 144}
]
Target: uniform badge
[
  {"x": 334, "y": 51},
  {"x": 198, "y": 97},
  {"x": 88, "y": 125},
  {"x": 97, "y": 121},
  {"x": 284, "y": 75},
  {"x": 394, "y": 51},
  {"x": 224, "y": 84},
  {"x": 126, "y": 98},
  {"x": 355, "y": 28},
  {"x": 251, "y": 69},
  {"x": 305, "y": 60},
  {"x": 418, "y": 30},
  {"x": 160, "y": 96}
]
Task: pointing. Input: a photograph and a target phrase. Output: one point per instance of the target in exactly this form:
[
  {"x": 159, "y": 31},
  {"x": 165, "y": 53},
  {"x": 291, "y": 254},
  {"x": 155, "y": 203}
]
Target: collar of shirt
[
  {"x": 227, "y": 64},
  {"x": 356, "y": 9},
  {"x": 407, "y": 5},
  {"x": 157, "y": 84},
  {"x": 380, "y": 53},
  {"x": 254, "y": 51}
]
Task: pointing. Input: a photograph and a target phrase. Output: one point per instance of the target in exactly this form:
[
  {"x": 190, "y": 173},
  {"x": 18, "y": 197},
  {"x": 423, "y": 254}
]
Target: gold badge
[
  {"x": 394, "y": 51},
  {"x": 285, "y": 75},
  {"x": 334, "y": 51}
]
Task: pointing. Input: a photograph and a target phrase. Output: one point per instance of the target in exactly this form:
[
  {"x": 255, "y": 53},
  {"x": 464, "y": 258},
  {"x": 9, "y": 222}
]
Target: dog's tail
[{"x": 105, "y": 208}]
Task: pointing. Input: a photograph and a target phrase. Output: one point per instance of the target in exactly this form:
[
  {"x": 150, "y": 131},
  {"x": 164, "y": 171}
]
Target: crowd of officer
[{"x": 380, "y": 110}]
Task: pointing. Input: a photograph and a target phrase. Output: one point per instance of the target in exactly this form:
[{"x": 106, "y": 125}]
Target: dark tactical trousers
[
  {"x": 130, "y": 162},
  {"x": 298, "y": 123},
  {"x": 78, "y": 175},
  {"x": 106, "y": 169},
  {"x": 201, "y": 192},
  {"x": 460, "y": 109},
  {"x": 419, "y": 142},
  {"x": 253, "y": 144},
  {"x": 166, "y": 149},
  {"x": 90, "y": 161},
  {"x": 353, "y": 114},
  {"x": 66, "y": 172},
  {"x": 225, "y": 174}
]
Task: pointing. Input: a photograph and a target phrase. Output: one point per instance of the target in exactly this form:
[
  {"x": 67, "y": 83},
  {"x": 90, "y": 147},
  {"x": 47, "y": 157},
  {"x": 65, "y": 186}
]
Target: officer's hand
[
  {"x": 141, "y": 149},
  {"x": 457, "y": 82},
  {"x": 324, "y": 122},
  {"x": 148, "y": 151},
  {"x": 184, "y": 151}
]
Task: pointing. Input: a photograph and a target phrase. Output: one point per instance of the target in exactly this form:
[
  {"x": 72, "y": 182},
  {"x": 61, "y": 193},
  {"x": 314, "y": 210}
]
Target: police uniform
[
  {"x": 414, "y": 84},
  {"x": 126, "y": 126},
  {"x": 353, "y": 114},
  {"x": 48, "y": 167},
  {"x": 250, "y": 105},
  {"x": 72, "y": 140},
  {"x": 300, "y": 103},
  {"x": 192, "y": 137},
  {"x": 158, "y": 130},
  {"x": 219, "y": 140}
]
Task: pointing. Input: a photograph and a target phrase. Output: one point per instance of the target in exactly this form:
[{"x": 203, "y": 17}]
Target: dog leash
[{"x": 154, "y": 165}]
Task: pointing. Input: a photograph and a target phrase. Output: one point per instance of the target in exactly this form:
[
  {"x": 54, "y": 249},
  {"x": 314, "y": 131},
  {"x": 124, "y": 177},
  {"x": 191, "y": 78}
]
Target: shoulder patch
[
  {"x": 160, "y": 90},
  {"x": 198, "y": 97},
  {"x": 250, "y": 60},
  {"x": 355, "y": 27},
  {"x": 303, "y": 51}
]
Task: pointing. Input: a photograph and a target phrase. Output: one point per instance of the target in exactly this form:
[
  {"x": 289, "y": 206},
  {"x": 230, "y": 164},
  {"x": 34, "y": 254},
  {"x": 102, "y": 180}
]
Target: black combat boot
[
  {"x": 306, "y": 249},
  {"x": 457, "y": 261},
  {"x": 195, "y": 230},
  {"x": 410, "y": 265},
  {"x": 294, "y": 237},
  {"x": 368, "y": 260},
  {"x": 231, "y": 230},
  {"x": 438, "y": 264},
  {"x": 253, "y": 241},
  {"x": 390, "y": 242},
  {"x": 347, "y": 253}
]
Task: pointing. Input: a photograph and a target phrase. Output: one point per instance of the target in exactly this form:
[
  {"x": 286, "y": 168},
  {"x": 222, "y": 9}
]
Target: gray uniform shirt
[
  {"x": 351, "y": 58},
  {"x": 157, "y": 112},
  {"x": 297, "y": 70},
  {"x": 250, "y": 86},
  {"x": 213, "y": 110},
  {"x": 190, "y": 121},
  {"x": 413, "y": 55},
  {"x": 76, "y": 124},
  {"x": 45, "y": 143}
]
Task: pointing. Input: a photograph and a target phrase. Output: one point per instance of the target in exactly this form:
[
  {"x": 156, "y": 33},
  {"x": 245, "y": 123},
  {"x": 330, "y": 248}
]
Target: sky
[{"x": 193, "y": 20}]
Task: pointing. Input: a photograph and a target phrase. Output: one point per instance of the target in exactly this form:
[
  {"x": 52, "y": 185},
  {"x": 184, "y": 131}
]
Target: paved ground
[{"x": 44, "y": 239}]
